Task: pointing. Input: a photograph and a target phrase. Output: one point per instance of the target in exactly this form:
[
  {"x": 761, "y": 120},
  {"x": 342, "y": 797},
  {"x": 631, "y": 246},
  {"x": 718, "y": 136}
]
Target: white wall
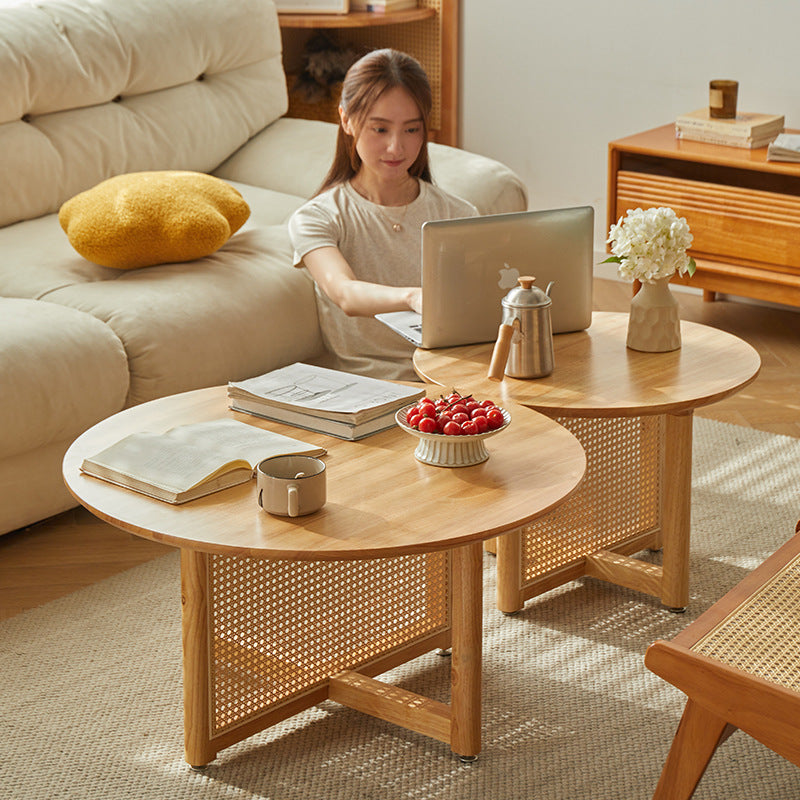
[{"x": 546, "y": 84}]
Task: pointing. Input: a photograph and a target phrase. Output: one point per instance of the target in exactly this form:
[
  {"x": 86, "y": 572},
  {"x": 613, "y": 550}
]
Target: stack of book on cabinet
[
  {"x": 325, "y": 400},
  {"x": 748, "y": 130},
  {"x": 382, "y": 6}
]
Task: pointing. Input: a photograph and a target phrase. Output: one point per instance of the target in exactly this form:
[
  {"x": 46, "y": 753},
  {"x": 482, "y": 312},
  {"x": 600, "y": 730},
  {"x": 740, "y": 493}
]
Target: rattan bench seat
[
  {"x": 762, "y": 635},
  {"x": 739, "y": 665}
]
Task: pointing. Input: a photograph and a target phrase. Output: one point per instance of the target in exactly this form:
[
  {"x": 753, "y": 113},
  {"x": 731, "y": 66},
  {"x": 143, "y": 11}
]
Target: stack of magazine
[
  {"x": 748, "y": 130},
  {"x": 328, "y": 401}
]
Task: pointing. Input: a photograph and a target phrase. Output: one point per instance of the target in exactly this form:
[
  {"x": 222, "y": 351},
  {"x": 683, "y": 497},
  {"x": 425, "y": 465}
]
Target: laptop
[{"x": 470, "y": 264}]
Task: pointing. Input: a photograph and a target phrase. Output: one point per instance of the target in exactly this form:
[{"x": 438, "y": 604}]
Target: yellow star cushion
[{"x": 145, "y": 218}]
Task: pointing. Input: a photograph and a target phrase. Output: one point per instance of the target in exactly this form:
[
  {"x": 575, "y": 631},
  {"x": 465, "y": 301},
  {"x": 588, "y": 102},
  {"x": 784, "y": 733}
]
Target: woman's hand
[
  {"x": 415, "y": 299},
  {"x": 356, "y": 298}
]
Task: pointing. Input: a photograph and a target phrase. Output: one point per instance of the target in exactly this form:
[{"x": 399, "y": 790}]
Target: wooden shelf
[
  {"x": 428, "y": 32},
  {"x": 356, "y": 19}
]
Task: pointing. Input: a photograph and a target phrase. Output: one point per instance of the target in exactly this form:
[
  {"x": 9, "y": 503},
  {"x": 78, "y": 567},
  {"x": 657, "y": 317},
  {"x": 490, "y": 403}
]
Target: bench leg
[{"x": 699, "y": 735}]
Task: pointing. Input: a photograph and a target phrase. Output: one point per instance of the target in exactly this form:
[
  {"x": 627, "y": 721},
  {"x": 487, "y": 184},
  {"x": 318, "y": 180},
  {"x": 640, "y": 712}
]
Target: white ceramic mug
[{"x": 291, "y": 486}]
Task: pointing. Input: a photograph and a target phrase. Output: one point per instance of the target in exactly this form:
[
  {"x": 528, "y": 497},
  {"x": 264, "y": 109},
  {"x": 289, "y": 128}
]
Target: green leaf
[
  {"x": 612, "y": 260},
  {"x": 691, "y": 267}
]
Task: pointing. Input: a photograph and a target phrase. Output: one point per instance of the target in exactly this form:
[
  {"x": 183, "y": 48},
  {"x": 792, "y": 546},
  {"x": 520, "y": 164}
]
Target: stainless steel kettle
[{"x": 524, "y": 347}]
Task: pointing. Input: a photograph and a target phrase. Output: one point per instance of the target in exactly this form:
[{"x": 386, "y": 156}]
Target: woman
[{"x": 360, "y": 235}]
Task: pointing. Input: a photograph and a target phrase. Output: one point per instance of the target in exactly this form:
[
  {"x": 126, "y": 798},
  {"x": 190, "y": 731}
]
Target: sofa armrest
[
  {"x": 489, "y": 185},
  {"x": 293, "y": 155}
]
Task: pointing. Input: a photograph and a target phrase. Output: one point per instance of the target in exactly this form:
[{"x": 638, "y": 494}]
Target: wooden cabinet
[
  {"x": 429, "y": 33},
  {"x": 743, "y": 211}
]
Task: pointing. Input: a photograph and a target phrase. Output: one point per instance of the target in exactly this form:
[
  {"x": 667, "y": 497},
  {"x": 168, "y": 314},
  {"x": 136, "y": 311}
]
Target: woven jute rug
[{"x": 90, "y": 698}]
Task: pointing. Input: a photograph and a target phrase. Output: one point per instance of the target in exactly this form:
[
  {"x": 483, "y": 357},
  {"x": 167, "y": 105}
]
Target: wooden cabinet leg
[
  {"x": 676, "y": 509},
  {"x": 196, "y": 658},
  {"x": 699, "y": 734},
  {"x": 465, "y": 698}
]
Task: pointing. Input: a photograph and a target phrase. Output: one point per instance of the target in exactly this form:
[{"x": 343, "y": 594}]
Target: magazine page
[{"x": 324, "y": 391}]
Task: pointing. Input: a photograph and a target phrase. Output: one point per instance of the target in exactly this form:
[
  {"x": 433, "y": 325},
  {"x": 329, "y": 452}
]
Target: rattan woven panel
[
  {"x": 419, "y": 39},
  {"x": 620, "y": 496},
  {"x": 281, "y": 628},
  {"x": 762, "y": 635},
  {"x": 325, "y": 108}
]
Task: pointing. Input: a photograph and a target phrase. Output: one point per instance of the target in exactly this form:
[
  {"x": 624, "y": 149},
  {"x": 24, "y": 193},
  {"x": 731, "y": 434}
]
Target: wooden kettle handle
[{"x": 497, "y": 366}]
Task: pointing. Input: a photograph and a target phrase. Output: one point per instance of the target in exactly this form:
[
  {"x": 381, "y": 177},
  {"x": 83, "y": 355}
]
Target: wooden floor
[{"x": 73, "y": 550}]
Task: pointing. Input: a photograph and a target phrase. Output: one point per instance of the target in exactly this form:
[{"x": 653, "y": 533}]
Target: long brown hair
[{"x": 364, "y": 83}]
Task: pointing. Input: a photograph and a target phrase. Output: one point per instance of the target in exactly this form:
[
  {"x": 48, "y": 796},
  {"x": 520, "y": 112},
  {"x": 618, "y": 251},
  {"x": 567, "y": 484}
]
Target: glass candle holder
[{"x": 722, "y": 99}]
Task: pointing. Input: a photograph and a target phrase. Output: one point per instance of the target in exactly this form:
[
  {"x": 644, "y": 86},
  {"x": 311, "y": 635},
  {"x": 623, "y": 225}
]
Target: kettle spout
[{"x": 549, "y": 287}]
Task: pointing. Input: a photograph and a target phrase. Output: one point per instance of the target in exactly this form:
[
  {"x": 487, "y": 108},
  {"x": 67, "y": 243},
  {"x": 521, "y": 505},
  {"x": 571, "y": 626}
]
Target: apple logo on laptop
[{"x": 508, "y": 277}]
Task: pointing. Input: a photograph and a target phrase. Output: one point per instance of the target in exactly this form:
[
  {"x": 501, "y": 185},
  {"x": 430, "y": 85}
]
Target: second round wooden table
[{"x": 632, "y": 412}]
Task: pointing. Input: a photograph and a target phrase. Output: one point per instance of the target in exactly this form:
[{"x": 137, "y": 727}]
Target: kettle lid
[{"x": 526, "y": 295}]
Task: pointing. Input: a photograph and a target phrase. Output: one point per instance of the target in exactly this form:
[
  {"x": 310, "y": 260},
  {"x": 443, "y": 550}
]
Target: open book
[
  {"x": 191, "y": 460},
  {"x": 326, "y": 400}
]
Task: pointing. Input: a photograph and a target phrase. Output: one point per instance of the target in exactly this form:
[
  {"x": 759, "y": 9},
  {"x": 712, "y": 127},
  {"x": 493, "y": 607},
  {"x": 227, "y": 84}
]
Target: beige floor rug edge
[{"x": 91, "y": 686}]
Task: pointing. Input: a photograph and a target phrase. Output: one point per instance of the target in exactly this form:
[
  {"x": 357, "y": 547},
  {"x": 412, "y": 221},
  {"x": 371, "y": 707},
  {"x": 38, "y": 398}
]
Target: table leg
[
  {"x": 676, "y": 510},
  {"x": 465, "y": 698},
  {"x": 510, "y": 597},
  {"x": 195, "y": 635}
]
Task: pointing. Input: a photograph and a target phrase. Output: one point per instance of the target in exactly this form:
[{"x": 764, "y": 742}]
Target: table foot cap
[
  {"x": 676, "y": 609},
  {"x": 444, "y": 651},
  {"x": 467, "y": 759}
]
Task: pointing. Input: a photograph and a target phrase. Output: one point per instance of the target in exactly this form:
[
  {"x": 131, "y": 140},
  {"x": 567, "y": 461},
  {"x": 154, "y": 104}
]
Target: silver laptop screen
[{"x": 469, "y": 265}]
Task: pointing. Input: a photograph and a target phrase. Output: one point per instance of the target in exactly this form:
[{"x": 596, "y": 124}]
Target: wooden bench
[{"x": 739, "y": 665}]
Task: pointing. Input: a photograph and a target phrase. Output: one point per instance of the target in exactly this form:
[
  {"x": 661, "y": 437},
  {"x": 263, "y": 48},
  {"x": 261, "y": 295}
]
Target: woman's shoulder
[
  {"x": 449, "y": 205},
  {"x": 331, "y": 198},
  {"x": 326, "y": 207}
]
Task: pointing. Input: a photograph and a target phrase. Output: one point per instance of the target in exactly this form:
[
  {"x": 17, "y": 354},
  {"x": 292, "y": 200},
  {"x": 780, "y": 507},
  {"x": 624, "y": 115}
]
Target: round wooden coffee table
[
  {"x": 632, "y": 412},
  {"x": 280, "y": 614}
]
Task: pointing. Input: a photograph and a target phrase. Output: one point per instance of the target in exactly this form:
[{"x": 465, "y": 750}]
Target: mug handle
[
  {"x": 260, "y": 492},
  {"x": 294, "y": 500}
]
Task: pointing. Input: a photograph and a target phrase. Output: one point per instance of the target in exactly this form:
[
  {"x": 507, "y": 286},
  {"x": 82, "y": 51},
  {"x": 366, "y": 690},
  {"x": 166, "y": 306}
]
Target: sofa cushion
[
  {"x": 148, "y": 218},
  {"x": 62, "y": 370},
  {"x": 306, "y": 148},
  {"x": 38, "y": 258},
  {"x": 32, "y": 486},
  {"x": 237, "y": 313},
  {"x": 102, "y": 88}
]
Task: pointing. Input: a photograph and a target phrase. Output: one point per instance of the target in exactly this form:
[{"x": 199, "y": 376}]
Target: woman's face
[{"x": 391, "y": 137}]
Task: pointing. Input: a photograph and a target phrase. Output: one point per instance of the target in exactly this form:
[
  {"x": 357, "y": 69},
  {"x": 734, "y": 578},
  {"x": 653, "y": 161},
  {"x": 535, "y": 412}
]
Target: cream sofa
[{"x": 95, "y": 88}]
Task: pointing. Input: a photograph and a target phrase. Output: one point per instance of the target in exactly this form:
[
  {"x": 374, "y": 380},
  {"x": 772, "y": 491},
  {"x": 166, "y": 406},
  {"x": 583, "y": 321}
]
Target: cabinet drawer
[{"x": 728, "y": 223}]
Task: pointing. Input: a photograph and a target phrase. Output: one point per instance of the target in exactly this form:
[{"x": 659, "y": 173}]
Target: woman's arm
[{"x": 356, "y": 298}]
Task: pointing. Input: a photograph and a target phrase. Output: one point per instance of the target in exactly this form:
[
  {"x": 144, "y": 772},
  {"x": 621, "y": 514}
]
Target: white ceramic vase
[{"x": 654, "y": 325}]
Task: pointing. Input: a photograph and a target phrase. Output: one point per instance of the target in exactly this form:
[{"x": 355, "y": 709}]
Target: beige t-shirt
[{"x": 362, "y": 231}]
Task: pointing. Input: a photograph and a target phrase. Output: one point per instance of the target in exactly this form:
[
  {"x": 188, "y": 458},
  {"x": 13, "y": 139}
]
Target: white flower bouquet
[{"x": 651, "y": 244}]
